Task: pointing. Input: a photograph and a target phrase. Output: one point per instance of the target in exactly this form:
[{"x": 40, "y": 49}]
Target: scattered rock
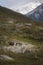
[
  {"x": 5, "y": 57},
  {"x": 18, "y": 44},
  {"x": 11, "y": 43},
  {"x": 20, "y": 47}
]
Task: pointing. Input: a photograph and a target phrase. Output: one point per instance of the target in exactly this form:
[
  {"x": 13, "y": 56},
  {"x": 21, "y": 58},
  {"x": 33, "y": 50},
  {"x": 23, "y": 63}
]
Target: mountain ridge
[{"x": 36, "y": 14}]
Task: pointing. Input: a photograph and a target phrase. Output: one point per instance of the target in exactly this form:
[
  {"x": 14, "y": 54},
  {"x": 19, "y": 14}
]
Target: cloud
[
  {"x": 28, "y": 7},
  {"x": 15, "y": 4}
]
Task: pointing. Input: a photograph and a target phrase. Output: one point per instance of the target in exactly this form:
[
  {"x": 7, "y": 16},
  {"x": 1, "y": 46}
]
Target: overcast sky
[{"x": 16, "y": 3}]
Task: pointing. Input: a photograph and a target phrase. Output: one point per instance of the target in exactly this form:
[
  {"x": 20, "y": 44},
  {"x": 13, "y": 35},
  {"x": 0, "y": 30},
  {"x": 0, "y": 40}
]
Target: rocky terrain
[
  {"x": 21, "y": 39},
  {"x": 21, "y": 47}
]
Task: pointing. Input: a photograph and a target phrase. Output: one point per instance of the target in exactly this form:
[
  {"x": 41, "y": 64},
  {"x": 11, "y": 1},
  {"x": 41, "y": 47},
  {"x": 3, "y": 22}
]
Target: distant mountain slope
[
  {"x": 36, "y": 14},
  {"x": 7, "y": 13}
]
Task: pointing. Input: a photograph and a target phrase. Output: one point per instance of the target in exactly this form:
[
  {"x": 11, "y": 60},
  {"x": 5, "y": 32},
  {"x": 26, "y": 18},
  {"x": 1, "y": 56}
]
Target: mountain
[
  {"x": 37, "y": 13},
  {"x": 6, "y": 13},
  {"x": 17, "y": 34},
  {"x": 13, "y": 24},
  {"x": 28, "y": 7}
]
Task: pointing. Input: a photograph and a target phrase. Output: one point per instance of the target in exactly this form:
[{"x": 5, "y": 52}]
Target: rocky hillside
[
  {"x": 21, "y": 39},
  {"x": 13, "y": 24}
]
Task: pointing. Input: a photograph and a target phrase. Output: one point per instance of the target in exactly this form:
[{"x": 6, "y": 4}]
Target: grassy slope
[{"x": 10, "y": 28}]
